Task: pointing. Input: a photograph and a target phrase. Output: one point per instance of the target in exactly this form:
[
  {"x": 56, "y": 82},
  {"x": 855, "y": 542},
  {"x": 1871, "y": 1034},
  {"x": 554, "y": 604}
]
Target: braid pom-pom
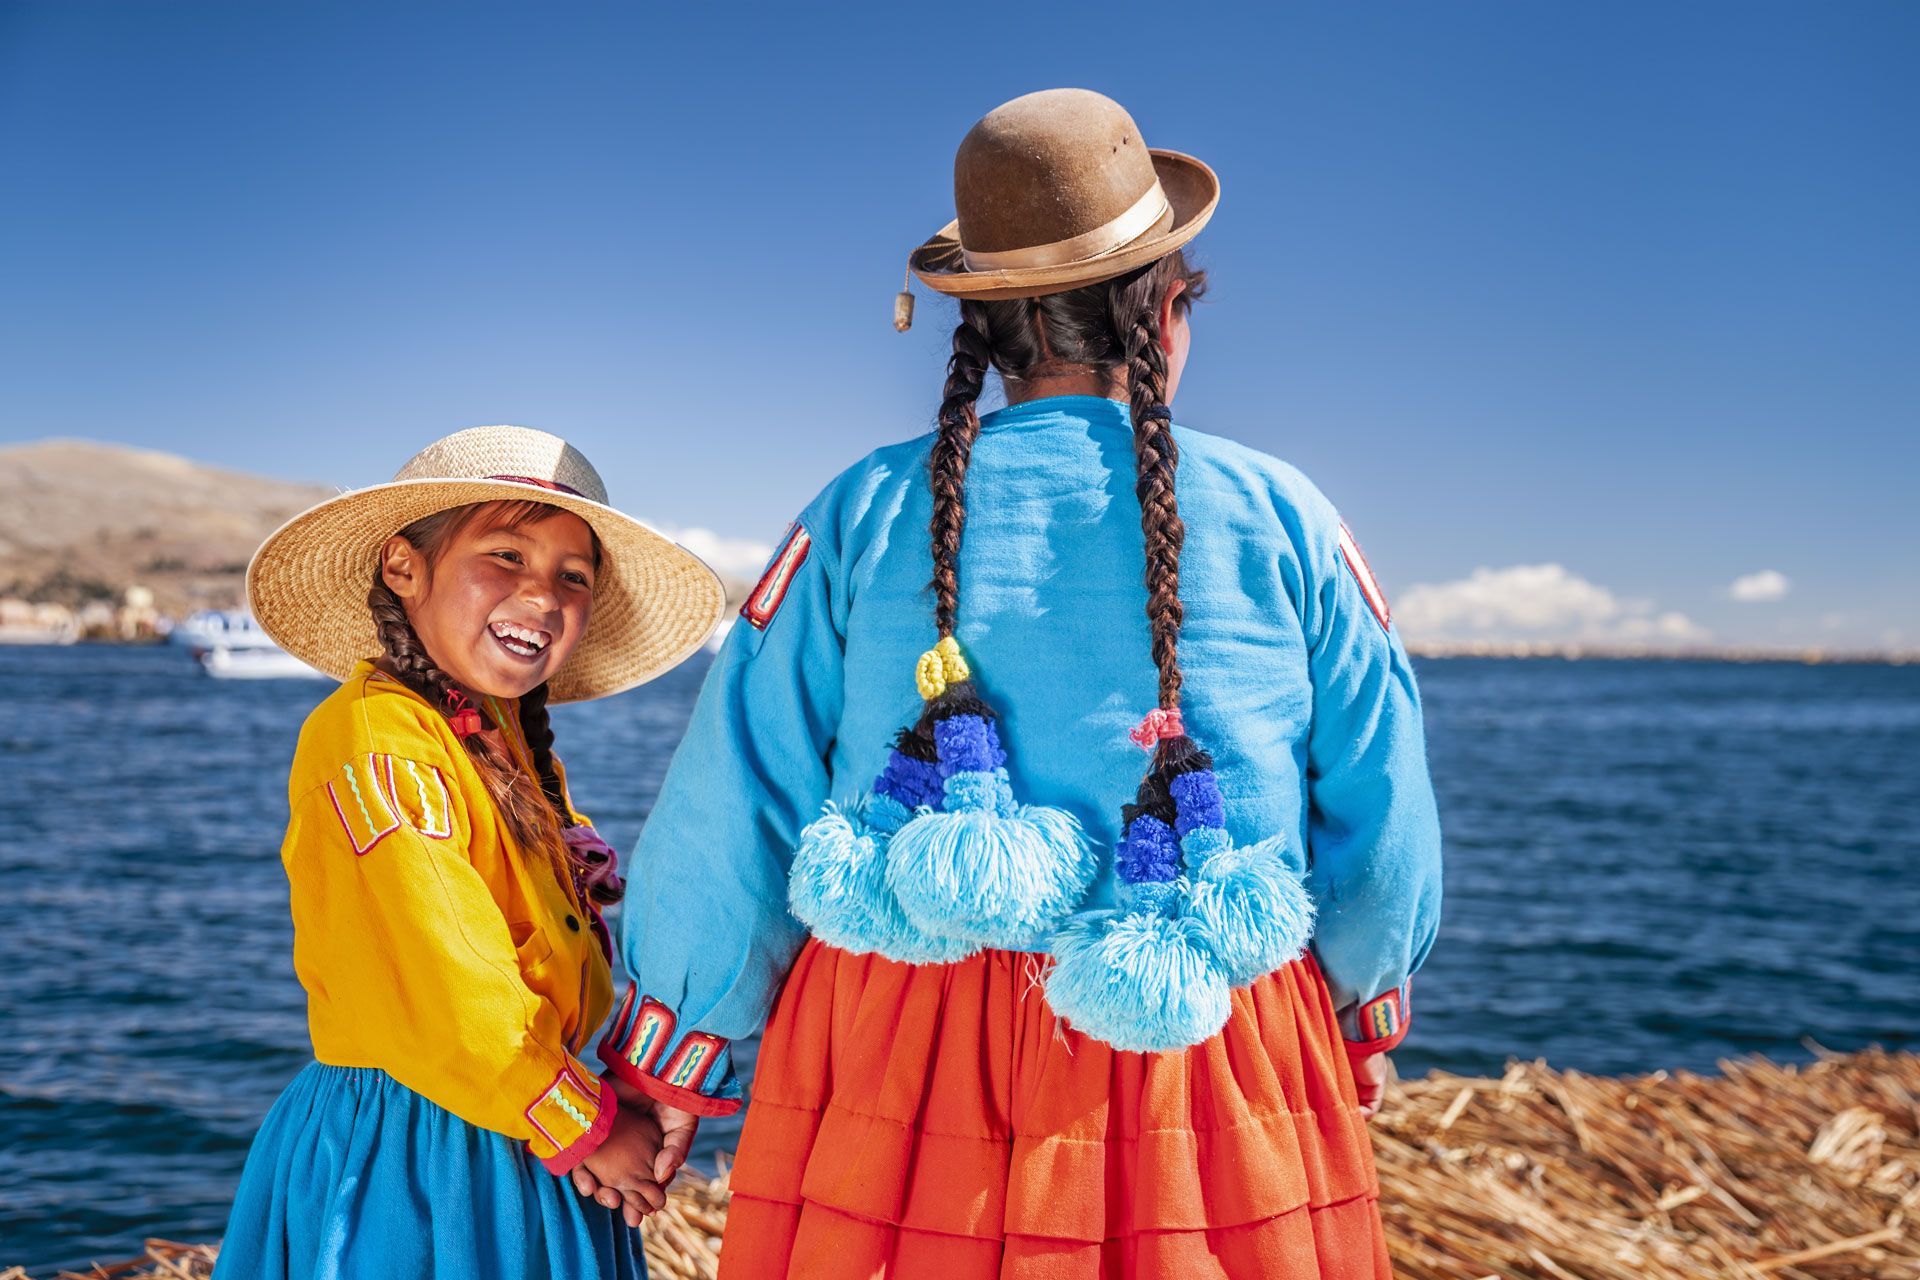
[
  {"x": 939, "y": 667},
  {"x": 982, "y": 866},
  {"x": 1144, "y": 981},
  {"x": 838, "y": 886}
]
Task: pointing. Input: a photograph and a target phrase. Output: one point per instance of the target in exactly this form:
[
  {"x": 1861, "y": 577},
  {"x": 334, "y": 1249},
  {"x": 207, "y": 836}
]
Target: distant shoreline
[{"x": 1740, "y": 654}]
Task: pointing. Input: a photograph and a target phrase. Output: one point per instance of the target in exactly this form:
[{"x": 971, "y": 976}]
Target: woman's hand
[
  {"x": 677, "y": 1128},
  {"x": 1369, "y": 1081}
]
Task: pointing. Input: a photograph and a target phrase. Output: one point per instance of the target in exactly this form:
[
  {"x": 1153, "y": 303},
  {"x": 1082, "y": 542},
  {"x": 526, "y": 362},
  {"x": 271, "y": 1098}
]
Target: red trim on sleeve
[
  {"x": 659, "y": 1090},
  {"x": 1362, "y": 1048},
  {"x": 1388, "y": 1017},
  {"x": 589, "y": 1142}
]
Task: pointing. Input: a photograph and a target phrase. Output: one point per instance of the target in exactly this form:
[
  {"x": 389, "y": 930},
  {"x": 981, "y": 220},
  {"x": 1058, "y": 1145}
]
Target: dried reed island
[{"x": 1799, "y": 1172}]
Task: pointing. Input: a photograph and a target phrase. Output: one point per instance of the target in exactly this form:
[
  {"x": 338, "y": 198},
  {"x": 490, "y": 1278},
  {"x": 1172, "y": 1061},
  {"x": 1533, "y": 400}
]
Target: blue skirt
[{"x": 355, "y": 1175}]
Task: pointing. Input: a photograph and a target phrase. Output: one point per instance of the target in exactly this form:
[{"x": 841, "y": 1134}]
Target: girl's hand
[
  {"x": 620, "y": 1168},
  {"x": 1370, "y": 1081}
]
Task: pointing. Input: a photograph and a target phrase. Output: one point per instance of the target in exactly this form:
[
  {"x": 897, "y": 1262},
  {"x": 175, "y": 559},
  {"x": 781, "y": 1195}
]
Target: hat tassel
[{"x": 903, "y": 306}]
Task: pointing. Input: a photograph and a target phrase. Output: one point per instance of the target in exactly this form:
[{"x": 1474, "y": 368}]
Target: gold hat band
[{"x": 1105, "y": 238}]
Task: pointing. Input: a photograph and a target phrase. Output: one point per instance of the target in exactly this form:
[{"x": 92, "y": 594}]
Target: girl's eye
[
  {"x": 578, "y": 579},
  {"x": 510, "y": 556}
]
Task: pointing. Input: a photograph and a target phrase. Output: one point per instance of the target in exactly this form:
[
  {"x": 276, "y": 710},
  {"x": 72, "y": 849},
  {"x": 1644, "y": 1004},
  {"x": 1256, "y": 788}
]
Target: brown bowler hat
[{"x": 1055, "y": 190}]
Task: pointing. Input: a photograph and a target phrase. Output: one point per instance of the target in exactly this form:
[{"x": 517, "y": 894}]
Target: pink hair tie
[{"x": 1160, "y": 723}]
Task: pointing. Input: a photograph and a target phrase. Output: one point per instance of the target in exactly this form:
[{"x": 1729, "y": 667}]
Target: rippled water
[{"x": 1649, "y": 865}]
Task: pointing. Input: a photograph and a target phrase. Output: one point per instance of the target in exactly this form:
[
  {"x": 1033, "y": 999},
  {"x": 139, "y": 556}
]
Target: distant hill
[{"x": 84, "y": 521}]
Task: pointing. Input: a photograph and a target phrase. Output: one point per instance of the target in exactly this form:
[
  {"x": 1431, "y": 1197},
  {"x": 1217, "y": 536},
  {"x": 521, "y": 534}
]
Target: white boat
[
  {"x": 255, "y": 664},
  {"x": 230, "y": 645},
  {"x": 199, "y": 632}
]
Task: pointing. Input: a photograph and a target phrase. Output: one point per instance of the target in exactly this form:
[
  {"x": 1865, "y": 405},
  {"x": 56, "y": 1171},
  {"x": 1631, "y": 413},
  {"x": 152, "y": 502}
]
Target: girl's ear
[
  {"x": 403, "y": 569},
  {"x": 1174, "y": 290}
]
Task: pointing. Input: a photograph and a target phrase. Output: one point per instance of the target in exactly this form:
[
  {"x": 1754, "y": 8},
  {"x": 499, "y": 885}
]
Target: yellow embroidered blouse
[{"x": 430, "y": 946}]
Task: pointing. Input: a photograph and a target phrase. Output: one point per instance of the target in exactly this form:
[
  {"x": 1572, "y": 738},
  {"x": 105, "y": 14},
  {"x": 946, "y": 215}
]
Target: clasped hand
[{"x": 646, "y": 1146}]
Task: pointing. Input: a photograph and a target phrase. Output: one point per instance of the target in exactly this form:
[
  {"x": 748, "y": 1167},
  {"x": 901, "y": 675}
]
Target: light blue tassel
[
  {"x": 1250, "y": 906},
  {"x": 1137, "y": 979},
  {"x": 988, "y": 870},
  {"x": 837, "y": 886}
]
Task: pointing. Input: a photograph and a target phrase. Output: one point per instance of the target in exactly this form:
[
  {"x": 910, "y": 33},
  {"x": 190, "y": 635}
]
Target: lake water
[{"x": 1648, "y": 865}]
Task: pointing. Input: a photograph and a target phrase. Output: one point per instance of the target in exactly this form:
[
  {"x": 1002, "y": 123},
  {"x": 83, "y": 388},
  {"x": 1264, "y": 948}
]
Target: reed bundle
[{"x": 1764, "y": 1172}]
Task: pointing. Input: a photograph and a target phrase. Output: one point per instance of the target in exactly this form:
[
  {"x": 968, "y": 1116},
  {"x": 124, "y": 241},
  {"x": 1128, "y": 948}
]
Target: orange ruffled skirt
[{"x": 938, "y": 1121}]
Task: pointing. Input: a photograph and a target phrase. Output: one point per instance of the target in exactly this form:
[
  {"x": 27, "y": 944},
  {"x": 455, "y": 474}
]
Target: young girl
[
  {"x": 1053, "y": 1019},
  {"x": 446, "y": 895}
]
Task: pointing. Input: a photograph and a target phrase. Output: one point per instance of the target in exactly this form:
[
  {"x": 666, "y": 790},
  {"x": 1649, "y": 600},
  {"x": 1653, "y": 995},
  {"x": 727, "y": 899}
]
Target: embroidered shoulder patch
[
  {"x": 361, "y": 804},
  {"x": 1363, "y": 574},
  {"x": 375, "y": 795},
  {"x": 766, "y": 598},
  {"x": 419, "y": 795}
]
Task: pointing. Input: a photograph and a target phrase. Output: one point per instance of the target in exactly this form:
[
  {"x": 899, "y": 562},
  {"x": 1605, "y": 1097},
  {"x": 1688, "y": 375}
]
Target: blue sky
[{"x": 1580, "y": 314}]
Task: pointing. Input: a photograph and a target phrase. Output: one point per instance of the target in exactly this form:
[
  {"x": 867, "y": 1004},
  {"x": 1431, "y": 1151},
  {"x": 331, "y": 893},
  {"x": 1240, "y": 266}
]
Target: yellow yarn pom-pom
[{"x": 939, "y": 667}]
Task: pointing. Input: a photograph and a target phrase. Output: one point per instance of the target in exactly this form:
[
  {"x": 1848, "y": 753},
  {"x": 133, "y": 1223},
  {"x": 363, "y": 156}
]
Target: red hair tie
[
  {"x": 1161, "y": 722},
  {"x": 464, "y": 718}
]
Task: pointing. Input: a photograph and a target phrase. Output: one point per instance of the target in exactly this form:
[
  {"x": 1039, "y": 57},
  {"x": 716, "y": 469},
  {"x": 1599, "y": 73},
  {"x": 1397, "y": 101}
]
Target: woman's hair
[
  {"x": 535, "y": 808},
  {"x": 1113, "y": 325}
]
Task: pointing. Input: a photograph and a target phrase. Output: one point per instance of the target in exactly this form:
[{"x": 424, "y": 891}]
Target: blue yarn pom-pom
[
  {"x": 1139, "y": 981},
  {"x": 1197, "y": 802},
  {"x": 987, "y": 870},
  {"x": 911, "y": 782},
  {"x": 837, "y": 886},
  {"x": 1161, "y": 897},
  {"x": 967, "y": 744},
  {"x": 1252, "y": 908},
  {"x": 1148, "y": 852},
  {"x": 978, "y": 793}
]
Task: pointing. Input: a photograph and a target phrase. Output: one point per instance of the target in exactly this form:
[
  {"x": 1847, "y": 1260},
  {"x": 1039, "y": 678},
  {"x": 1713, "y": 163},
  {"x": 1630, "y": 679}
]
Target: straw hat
[
  {"x": 1056, "y": 190},
  {"x": 654, "y": 602}
]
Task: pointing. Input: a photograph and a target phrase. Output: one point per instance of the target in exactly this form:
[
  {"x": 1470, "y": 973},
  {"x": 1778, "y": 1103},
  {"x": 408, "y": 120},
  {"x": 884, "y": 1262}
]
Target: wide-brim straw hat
[
  {"x": 1055, "y": 190},
  {"x": 654, "y": 602}
]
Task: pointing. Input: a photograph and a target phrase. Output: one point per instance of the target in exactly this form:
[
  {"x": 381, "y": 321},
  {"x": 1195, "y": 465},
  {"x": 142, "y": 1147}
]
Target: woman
[{"x": 1052, "y": 1020}]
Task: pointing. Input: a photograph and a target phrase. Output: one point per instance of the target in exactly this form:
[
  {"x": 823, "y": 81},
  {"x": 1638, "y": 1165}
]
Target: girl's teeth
[{"x": 518, "y": 639}]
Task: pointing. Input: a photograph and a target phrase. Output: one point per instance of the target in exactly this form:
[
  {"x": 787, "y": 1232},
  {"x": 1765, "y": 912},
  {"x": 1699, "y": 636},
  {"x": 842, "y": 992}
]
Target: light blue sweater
[{"x": 1296, "y": 682}]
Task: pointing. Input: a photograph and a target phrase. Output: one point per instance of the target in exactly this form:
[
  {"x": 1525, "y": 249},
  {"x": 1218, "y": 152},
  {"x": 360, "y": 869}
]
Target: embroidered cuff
[
  {"x": 693, "y": 1071},
  {"x": 1378, "y": 1025},
  {"x": 571, "y": 1118}
]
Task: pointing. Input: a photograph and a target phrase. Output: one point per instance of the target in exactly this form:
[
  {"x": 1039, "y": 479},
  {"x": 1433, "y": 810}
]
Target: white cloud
[
  {"x": 740, "y": 559},
  {"x": 1536, "y": 603},
  {"x": 1757, "y": 588}
]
